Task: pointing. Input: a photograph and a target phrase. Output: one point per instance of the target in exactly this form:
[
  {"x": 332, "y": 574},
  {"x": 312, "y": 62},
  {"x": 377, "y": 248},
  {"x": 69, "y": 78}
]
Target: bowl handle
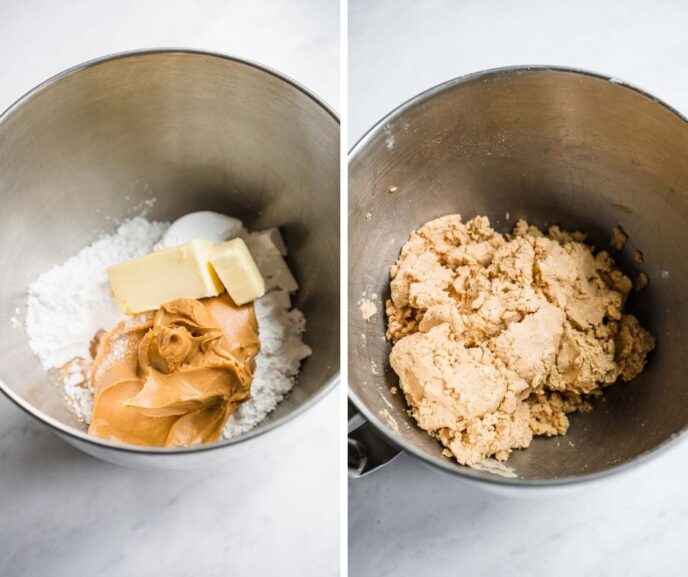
[{"x": 368, "y": 450}]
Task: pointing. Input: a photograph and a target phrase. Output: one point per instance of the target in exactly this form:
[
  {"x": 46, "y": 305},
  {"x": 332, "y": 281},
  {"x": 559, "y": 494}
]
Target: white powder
[
  {"x": 73, "y": 379},
  {"x": 277, "y": 363},
  {"x": 68, "y": 304},
  {"x": 14, "y": 320}
]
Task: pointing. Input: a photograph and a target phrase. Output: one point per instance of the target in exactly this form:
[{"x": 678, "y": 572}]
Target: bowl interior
[
  {"x": 553, "y": 147},
  {"x": 172, "y": 133}
]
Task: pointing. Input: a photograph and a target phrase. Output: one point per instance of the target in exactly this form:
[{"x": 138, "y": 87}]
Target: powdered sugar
[
  {"x": 72, "y": 378},
  {"x": 70, "y": 303},
  {"x": 277, "y": 364},
  {"x": 15, "y": 320}
]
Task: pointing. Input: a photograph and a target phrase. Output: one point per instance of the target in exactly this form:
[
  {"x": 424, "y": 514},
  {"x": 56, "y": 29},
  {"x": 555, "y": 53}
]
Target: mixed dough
[{"x": 497, "y": 339}]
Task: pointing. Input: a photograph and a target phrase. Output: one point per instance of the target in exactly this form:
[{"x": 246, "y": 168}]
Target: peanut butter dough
[
  {"x": 497, "y": 339},
  {"x": 173, "y": 378}
]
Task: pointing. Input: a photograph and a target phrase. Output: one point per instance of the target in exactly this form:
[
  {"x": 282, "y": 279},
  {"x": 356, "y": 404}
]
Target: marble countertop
[
  {"x": 407, "y": 520},
  {"x": 273, "y": 512}
]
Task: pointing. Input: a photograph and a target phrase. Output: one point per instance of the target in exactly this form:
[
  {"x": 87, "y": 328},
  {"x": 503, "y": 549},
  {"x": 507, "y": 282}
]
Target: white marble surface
[
  {"x": 274, "y": 512},
  {"x": 406, "y": 519}
]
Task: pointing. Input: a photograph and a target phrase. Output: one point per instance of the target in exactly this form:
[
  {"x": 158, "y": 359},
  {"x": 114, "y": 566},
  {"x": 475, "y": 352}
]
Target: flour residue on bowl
[
  {"x": 389, "y": 420},
  {"x": 495, "y": 467},
  {"x": 390, "y": 140}
]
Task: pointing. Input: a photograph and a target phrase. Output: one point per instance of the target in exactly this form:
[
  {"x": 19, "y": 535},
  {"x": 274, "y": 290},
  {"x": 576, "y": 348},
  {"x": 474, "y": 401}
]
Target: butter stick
[
  {"x": 146, "y": 283},
  {"x": 237, "y": 270}
]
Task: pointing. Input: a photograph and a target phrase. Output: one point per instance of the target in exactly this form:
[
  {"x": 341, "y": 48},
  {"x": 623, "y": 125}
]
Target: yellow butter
[
  {"x": 146, "y": 283},
  {"x": 237, "y": 270}
]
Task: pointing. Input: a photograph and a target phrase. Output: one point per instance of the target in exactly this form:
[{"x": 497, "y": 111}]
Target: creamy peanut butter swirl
[{"x": 173, "y": 378}]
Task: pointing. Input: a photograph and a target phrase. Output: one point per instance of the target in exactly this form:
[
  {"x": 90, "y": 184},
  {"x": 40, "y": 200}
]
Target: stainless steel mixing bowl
[
  {"x": 195, "y": 131},
  {"x": 553, "y": 146}
]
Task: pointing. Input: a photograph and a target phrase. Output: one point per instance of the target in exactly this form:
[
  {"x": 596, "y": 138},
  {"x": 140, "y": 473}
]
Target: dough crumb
[
  {"x": 641, "y": 281},
  {"x": 498, "y": 338},
  {"x": 619, "y": 238},
  {"x": 638, "y": 256},
  {"x": 368, "y": 308},
  {"x": 393, "y": 189}
]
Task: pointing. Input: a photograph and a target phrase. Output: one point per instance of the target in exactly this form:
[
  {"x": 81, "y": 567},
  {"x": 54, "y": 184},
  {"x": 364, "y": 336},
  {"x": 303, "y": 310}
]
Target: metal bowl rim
[
  {"x": 445, "y": 465},
  {"x": 56, "y": 425}
]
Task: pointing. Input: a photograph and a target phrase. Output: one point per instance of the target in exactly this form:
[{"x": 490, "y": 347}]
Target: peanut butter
[{"x": 172, "y": 378}]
